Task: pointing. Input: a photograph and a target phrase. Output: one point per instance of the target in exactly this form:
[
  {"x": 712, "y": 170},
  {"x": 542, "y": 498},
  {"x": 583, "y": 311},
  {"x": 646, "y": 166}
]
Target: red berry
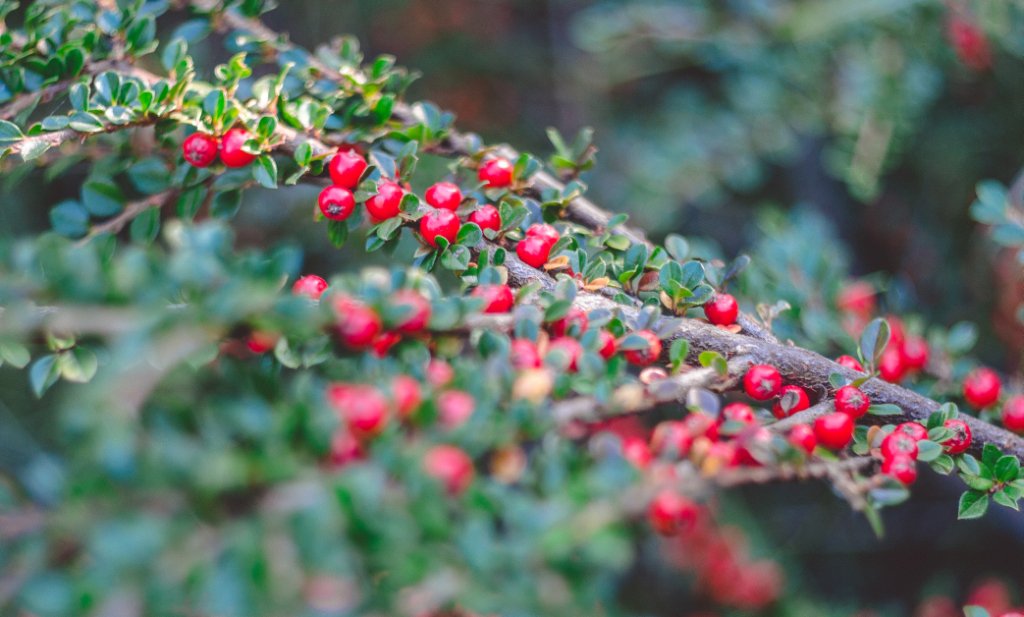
[
  {"x": 671, "y": 437},
  {"x": 982, "y": 387},
  {"x": 454, "y": 407},
  {"x": 856, "y": 297},
  {"x": 574, "y": 323},
  {"x": 891, "y": 366},
  {"x": 444, "y": 195},
  {"x": 364, "y": 409},
  {"x": 898, "y": 444},
  {"x": 336, "y": 203},
  {"x": 497, "y": 298},
  {"x": 636, "y": 451},
  {"x": 648, "y": 355},
  {"x": 358, "y": 324},
  {"x": 834, "y": 430},
  {"x": 383, "y": 343},
  {"x": 961, "y": 439},
  {"x": 722, "y": 310},
  {"x": 915, "y": 353},
  {"x": 534, "y": 251},
  {"x": 439, "y": 373},
  {"x": 669, "y": 513},
  {"x": 800, "y": 401},
  {"x": 417, "y": 310},
  {"x": 486, "y": 217},
  {"x": 969, "y": 42},
  {"x": 702, "y": 425},
  {"x": 739, "y": 412},
  {"x": 1013, "y": 414},
  {"x": 199, "y": 149},
  {"x": 545, "y": 232},
  {"x": 451, "y": 466},
  {"x": 850, "y": 362},
  {"x": 439, "y": 224},
  {"x": 346, "y": 168},
  {"x": 802, "y": 438},
  {"x": 852, "y": 401},
  {"x": 260, "y": 342},
  {"x": 901, "y": 467},
  {"x": 523, "y": 354},
  {"x": 405, "y": 392},
  {"x": 231, "y": 152},
  {"x": 569, "y": 347},
  {"x": 386, "y": 204},
  {"x": 345, "y": 449},
  {"x": 607, "y": 345},
  {"x": 310, "y": 285},
  {"x": 762, "y": 382},
  {"x": 914, "y": 429},
  {"x": 495, "y": 173}
]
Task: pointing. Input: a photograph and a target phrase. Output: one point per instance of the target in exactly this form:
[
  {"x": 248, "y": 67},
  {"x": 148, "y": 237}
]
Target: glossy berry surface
[
  {"x": 545, "y": 232},
  {"x": 534, "y": 251},
  {"x": 607, "y": 344},
  {"x": 486, "y": 217},
  {"x": 802, "y": 438},
  {"x": 961, "y": 439},
  {"x": 647, "y": 355},
  {"x": 852, "y": 401},
  {"x": 416, "y": 311},
  {"x": 358, "y": 324},
  {"x": 762, "y": 382},
  {"x": 834, "y": 431},
  {"x": 336, "y": 203},
  {"x": 798, "y": 398},
  {"x": 231, "y": 152},
  {"x": 722, "y": 310},
  {"x": 439, "y": 224},
  {"x": 200, "y": 149},
  {"x": 364, "y": 409},
  {"x": 851, "y": 363},
  {"x": 495, "y": 173},
  {"x": 891, "y": 366},
  {"x": 1013, "y": 414},
  {"x": 310, "y": 285},
  {"x": 386, "y": 203},
  {"x": 982, "y": 388},
  {"x": 670, "y": 513},
  {"x": 898, "y": 444},
  {"x": 444, "y": 195},
  {"x": 260, "y": 342},
  {"x": 346, "y": 168},
  {"x": 901, "y": 467},
  {"x": 497, "y": 298},
  {"x": 450, "y": 466},
  {"x": 913, "y": 429}
]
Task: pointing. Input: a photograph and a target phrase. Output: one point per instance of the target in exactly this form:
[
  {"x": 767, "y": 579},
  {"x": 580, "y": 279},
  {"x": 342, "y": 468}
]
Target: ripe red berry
[
  {"x": 570, "y": 348},
  {"x": 358, "y": 324},
  {"x": 346, "y": 168},
  {"x": 495, "y": 173},
  {"x": 1013, "y": 414},
  {"x": 607, "y": 345},
  {"x": 636, "y": 451},
  {"x": 383, "y": 343},
  {"x": 454, "y": 407},
  {"x": 915, "y": 353},
  {"x": 386, "y": 204},
  {"x": 451, "y": 466},
  {"x": 891, "y": 366},
  {"x": 982, "y": 387},
  {"x": 260, "y": 342},
  {"x": 834, "y": 430},
  {"x": 417, "y": 313},
  {"x": 800, "y": 401},
  {"x": 439, "y": 373},
  {"x": 648, "y": 355},
  {"x": 336, "y": 203},
  {"x": 574, "y": 323},
  {"x": 802, "y": 438},
  {"x": 345, "y": 449},
  {"x": 231, "y": 152},
  {"x": 486, "y": 217},
  {"x": 310, "y": 285},
  {"x": 199, "y": 149},
  {"x": 901, "y": 467},
  {"x": 671, "y": 437},
  {"x": 497, "y": 298},
  {"x": 739, "y": 412},
  {"x": 722, "y": 310},
  {"x": 545, "y": 232},
  {"x": 439, "y": 224},
  {"x": 898, "y": 444},
  {"x": 444, "y": 195},
  {"x": 850, "y": 362},
  {"x": 405, "y": 392},
  {"x": 670, "y": 513},
  {"x": 364, "y": 409},
  {"x": 961, "y": 439},
  {"x": 534, "y": 251},
  {"x": 762, "y": 382},
  {"x": 523, "y": 354},
  {"x": 852, "y": 401},
  {"x": 914, "y": 429}
]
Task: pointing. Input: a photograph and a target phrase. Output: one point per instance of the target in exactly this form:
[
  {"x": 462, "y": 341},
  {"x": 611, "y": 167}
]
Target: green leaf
[
  {"x": 990, "y": 455},
  {"x": 146, "y": 226},
  {"x": 337, "y": 233},
  {"x": 677, "y": 246},
  {"x": 102, "y": 198},
  {"x": 85, "y": 122},
  {"x": 190, "y": 201},
  {"x": 150, "y": 175},
  {"x": 961, "y": 338},
  {"x": 678, "y": 351},
  {"x": 873, "y": 340},
  {"x": 1003, "y": 498},
  {"x": 78, "y": 365},
  {"x": 928, "y": 451},
  {"x": 225, "y": 205},
  {"x": 43, "y": 374},
  {"x": 889, "y": 493},
  {"x": 14, "y": 354},
  {"x": 973, "y": 504},
  {"x": 966, "y": 463},
  {"x": 265, "y": 171},
  {"x": 70, "y": 219},
  {"x": 469, "y": 235},
  {"x": 33, "y": 149},
  {"x": 975, "y": 611},
  {"x": 943, "y": 464},
  {"x": 1007, "y": 468},
  {"x": 9, "y": 133},
  {"x": 885, "y": 409},
  {"x": 456, "y": 259}
]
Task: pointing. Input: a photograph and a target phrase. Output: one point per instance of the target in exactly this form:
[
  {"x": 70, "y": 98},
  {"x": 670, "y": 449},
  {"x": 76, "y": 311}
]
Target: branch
[
  {"x": 132, "y": 210},
  {"x": 28, "y": 99}
]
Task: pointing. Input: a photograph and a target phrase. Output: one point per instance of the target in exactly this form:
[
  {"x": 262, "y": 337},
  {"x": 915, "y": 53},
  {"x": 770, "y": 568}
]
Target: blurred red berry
[
  {"x": 901, "y": 467},
  {"x": 739, "y": 412},
  {"x": 1013, "y": 414},
  {"x": 913, "y": 429},
  {"x": 417, "y": 310},
  {"x": 364, "y": 409},
  {"x": 834, "y": 431},
  {"x": 574, "y": 323},
  {"x": 898, "y": 444},
  {"x": 915, "y": 353},
  {"x": 670, "y": 513},
  {"x": 607, "y": 345},
  {"x": 450, "y": 466},
  {"x": 358, "y": 324},
  {"x": 969, "y": 42},
  {"x": 523, "y": 354},
  {"x": 856, "y": 297},
  {"x": 310, "y": 285},
  {"x": 671, "y": 437},
  {"x": 890, "y": 366},
  {"x": 405, "y": 392},
  {"x": 569, "y": 347},
  {"x": 647, "y": 355},
  {"x": 802, "y": 438},
  {"x": 497, "y": 298},
  {"x": 260, "y": 342},
  {"x": 982, "y": 387},
  {"x": 454, "y": 407},
  {"x": 850, "y": 362}
]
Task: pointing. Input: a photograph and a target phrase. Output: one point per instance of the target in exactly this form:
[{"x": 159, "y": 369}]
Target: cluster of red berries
[
  {"x": 359, "y": 326},
  {"x": 982, "y": 389},
  {"x": 201, "y": 149},
  {"x": 763, "y": 382},
  {"x": 904, "y": 355}
]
